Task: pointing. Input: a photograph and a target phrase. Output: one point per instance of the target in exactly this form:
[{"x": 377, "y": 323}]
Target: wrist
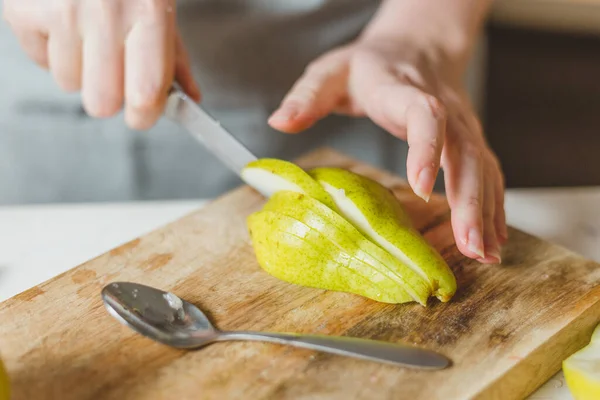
[{"x": 446, "y": 31}]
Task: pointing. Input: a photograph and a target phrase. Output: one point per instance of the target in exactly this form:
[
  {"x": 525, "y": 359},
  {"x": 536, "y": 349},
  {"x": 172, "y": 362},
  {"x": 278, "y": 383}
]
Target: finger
[
  {"x": 500, "y": 214},
  {"x": 183, "y": 71},
  {"x": 464, "y": 177},
  {"x": 492, "y": 247},
  {"x": 426, "y": 124},
  {"x": 35, "y": 45},
  {"x": 315, "y": 94},
  {"x": 407, "y": 112},
  {"x": 102, "y": 76},
  {"x": 150, "y": 68},
  {"x": 64, "y": 55},
  {"x": 26, "y": 14}
]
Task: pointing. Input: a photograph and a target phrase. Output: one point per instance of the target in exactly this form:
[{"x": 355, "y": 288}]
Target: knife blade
[{"x": 183, "y": 110}]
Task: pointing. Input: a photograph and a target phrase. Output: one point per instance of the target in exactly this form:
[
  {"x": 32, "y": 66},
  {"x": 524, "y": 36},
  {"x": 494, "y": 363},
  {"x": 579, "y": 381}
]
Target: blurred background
[{"x": 535, "y": 79}]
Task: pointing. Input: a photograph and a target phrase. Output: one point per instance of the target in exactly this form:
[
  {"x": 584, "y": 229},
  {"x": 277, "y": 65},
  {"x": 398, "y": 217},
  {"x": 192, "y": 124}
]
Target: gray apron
[{"x": 246, "y": 55}]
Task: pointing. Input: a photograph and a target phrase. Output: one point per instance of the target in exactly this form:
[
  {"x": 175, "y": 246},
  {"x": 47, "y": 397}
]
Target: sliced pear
[
  {"x": 292, "y": 251},
  {"x": 582, "y": 370},
  {"x": 321, "y": 267},
  {"x": 376, "y": 212},
  {"x": 333, "y": 226},
  {"x": 346, "y": 237},
  {"x": 270, "y": 175}
]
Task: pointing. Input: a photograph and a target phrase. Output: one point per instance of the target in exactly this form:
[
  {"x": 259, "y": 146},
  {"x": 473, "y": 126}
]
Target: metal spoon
[{"x": 164, "y": 317}]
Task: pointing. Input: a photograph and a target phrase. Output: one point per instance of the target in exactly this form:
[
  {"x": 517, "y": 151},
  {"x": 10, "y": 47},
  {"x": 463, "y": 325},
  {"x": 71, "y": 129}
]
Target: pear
[
  {"x": 333, "y": 226},
  {"x": 270, "y": 175},
  {"x": 376, "y": 212},
  {"x": 294, "y": 252},
  {"x": 582, "y": 370}
]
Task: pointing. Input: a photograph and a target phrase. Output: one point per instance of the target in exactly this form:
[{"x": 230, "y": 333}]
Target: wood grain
[{"x": 507, "y": 329}]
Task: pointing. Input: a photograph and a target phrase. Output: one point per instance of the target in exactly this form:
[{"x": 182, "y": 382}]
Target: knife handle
[{"x": 372, "y": 350}]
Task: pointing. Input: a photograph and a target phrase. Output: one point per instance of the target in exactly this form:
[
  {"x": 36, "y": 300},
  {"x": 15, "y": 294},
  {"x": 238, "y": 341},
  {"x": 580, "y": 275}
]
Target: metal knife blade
[{"x": 184, "y": 111}]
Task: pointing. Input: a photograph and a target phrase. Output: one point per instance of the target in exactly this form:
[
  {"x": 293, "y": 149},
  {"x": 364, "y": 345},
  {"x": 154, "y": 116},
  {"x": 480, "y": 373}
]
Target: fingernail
[
  {"x": 424, "y": 179},
  {"x": 474, "y": 243},
  {"x": 495, "y": 253},
  {"x": 283, "y": 114}
]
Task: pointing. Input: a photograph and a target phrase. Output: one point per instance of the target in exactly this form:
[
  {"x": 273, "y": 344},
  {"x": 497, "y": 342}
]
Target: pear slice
[
  {"x": 294, "y": 252},
  {"x": 335, "y": 228},
  {"x": 332, "y": 225},
  {"x": 376, "y": 212},
  {"x": 270, "y": 175},
  {"x": 278, "y": 252}
]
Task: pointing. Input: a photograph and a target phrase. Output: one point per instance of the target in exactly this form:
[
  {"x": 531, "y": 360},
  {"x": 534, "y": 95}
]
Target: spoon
[{"x": 167, "y": 319}]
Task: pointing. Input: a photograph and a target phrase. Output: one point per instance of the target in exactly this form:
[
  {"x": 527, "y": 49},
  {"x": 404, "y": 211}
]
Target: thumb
[{"x": 318, "y": 91}]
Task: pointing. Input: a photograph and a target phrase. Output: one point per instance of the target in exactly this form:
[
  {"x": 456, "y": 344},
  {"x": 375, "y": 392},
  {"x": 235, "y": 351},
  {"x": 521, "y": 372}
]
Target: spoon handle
[{"x": 373, "y": 350}]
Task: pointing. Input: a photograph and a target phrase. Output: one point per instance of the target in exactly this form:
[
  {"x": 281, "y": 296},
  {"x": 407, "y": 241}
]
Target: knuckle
[
  {"x": 102, "y": 106},
  {"x": 317, "y": 69},
  {"x": 305, "y": 94},
  {"x": 473, "y": 202},
  {"x": 433, "y": 147},
  {"x": 155, "y": 8},
  {"x": 147, "y": 100},
  {"x": 68, "y": 13},
  {"x": 328, "y": 65},
  {"x": 473, "y": 150},
  {"x": 431, "y": 150},
  {"x": 106, "y": 10},
  {"x": 138, "y": 121},
  {"x": 433, "y": 105}
]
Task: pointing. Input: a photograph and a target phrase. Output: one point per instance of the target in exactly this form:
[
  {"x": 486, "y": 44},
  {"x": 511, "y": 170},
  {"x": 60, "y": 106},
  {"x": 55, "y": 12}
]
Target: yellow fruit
[
  {"x": 337, "y": 230},
  {"x": 376, "y": 212},
  {"x": 328, "y": 252},
  {"x": 4, "y": 384},
  {"x": 582, "y": 370}
]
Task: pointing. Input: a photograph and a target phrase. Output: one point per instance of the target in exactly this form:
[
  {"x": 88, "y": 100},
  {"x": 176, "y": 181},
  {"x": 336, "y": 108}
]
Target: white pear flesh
[{"x": 270, "y": 175}]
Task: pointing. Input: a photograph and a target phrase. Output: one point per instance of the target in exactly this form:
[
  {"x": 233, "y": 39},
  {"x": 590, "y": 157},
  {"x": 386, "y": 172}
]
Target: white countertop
[{"x": 41, "y": 241}]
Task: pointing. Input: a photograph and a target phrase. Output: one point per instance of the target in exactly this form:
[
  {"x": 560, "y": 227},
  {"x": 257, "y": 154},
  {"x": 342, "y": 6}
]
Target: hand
[
  {"x": 114, "y": 51},
  {"x": 416, "y": 97}
]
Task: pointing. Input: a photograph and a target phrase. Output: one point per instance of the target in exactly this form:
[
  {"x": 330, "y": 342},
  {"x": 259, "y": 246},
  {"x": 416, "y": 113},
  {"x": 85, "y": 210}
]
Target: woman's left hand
[{"x": 416, "y": 96}]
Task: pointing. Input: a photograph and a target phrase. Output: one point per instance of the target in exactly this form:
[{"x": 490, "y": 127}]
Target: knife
[{"x": 182, "y": 110}]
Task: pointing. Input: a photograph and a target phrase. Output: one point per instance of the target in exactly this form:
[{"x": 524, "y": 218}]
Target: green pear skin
[
  {"x": 335, "y": 228},
  {"x": 293, "y": 252},
  {"x": 270, "y": 175},
  {"x": 376, "y": 212}
]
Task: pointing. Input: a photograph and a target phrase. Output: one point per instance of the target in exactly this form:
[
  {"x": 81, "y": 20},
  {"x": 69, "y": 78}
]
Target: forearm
[{"x": 448, "y": 26}]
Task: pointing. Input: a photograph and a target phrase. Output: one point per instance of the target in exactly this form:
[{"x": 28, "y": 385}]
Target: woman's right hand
[{"x": 117, "y": 52}]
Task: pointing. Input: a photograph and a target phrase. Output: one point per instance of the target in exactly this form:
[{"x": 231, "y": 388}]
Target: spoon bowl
[
  {"x": 159, "y": 315},
  {"x": 166, "y": 318}
]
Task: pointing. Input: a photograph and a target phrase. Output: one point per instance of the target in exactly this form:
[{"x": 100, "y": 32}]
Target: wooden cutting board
[{"x": 506, "y": 330}]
